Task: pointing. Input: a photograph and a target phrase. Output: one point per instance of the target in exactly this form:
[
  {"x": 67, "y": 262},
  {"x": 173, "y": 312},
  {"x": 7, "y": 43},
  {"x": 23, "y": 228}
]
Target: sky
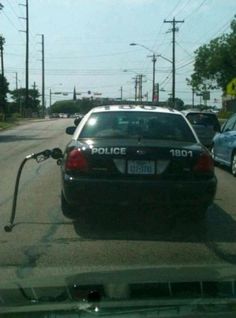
[{"x": 87, "y": 44}]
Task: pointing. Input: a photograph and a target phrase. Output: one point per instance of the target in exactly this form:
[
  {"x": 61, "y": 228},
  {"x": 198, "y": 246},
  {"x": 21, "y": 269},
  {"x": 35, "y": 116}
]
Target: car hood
[{"x": 110, "y": 291}]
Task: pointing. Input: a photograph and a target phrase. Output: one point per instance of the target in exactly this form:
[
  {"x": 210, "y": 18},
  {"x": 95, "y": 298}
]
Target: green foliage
[
  {"x": 10, "y": 121},
  {"x": 3, "y": 95},
  {"x": 215, "y": 62},
  {"x": 19, "y": 104},
  {"x": 15, "y": 116},
  {"x": 71, "y": 107},
  {"x": 224, "y": 114},
  {"x": 179, "y": 104}
]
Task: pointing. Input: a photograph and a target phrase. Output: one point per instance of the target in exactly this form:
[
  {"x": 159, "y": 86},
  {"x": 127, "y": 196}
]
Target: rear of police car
[{"x": 137, "y": 157}]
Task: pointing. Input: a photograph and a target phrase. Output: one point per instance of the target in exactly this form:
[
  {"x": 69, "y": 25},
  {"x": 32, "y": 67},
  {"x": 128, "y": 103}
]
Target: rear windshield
[
  {"x": 204, "y": 120},
  {"x": 149, "y": 125}
]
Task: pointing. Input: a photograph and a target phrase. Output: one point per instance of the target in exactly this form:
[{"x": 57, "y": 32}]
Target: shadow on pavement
[
  {"x": 221, "y": 226},
  {"x": 218, "y": 226},
  {"x": 15, "y": 138},
  {"x": 221, "y": 236}
]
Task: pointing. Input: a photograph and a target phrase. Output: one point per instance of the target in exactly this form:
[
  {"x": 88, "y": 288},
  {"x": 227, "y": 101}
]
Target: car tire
[
  {"x": 233, "y": 164},
  {"x": 68, "y": 210}
]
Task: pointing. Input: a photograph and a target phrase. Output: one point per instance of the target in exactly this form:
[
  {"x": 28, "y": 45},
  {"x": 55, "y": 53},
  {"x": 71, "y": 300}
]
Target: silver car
[
  {"x": 205, "y": 124},
  {"x": 224, "y": 145}
]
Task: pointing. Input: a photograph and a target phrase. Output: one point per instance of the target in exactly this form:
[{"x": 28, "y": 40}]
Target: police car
[{"x": 136, "y": 157}]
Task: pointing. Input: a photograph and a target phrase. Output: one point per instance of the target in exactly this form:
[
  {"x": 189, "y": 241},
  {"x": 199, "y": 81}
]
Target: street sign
[{"x": 231, "y": 87}]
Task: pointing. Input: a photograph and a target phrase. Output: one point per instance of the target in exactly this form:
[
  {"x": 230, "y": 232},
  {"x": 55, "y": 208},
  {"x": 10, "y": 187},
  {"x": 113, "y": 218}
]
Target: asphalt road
[{"x": 43, "y": 242}]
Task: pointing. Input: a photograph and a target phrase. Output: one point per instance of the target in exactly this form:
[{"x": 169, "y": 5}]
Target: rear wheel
[{"x": 233, "y": 164}]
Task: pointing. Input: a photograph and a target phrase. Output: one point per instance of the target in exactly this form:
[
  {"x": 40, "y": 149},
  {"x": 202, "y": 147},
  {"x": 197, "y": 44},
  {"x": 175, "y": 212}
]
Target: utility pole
[
  {"x": 43, "y": 76},
  {"x": 17, "y": 93},
  {"x": 174, "y": 30},
  {"x": 26, "y": 18},
  {"x": 135, "y": 88},
  {"x": 121, "y": 93},
  {"x": 193, "y": 92},
  {"x": 34, "y": 93},
  {"x": 140, "y": 87},
  {"x": 5, "y": 110},
  {"x": 154, "y": 59},
  {"x": 16, "y": 74},
  {"x": 50, "y": 98},
  {"x": 2, "y": 42}
]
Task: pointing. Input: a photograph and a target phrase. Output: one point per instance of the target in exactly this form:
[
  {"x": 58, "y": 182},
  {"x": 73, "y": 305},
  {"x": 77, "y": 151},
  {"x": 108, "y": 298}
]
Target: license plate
[{"x": 141, "y": 167}]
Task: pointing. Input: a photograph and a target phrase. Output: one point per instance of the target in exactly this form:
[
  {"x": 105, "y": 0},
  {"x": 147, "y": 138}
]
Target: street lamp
[{"x": 154, "y": 59}]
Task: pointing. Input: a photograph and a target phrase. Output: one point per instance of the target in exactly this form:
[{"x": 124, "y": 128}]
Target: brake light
[
  {"x": 76, "y": 161},
  {"x": 204, "y": 164}
]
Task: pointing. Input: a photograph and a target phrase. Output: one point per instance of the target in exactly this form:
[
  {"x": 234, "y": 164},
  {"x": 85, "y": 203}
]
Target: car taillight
[
  {"x": 76, "y": 161},
  {"x": 204, "y": 164}
]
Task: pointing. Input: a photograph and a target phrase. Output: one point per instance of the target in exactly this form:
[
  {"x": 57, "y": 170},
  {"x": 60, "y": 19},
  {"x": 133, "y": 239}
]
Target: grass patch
[
  {"x": 224, "y": 114},
  {"x": 6, "y": 124},
  {"x": 9, "y": 122}
]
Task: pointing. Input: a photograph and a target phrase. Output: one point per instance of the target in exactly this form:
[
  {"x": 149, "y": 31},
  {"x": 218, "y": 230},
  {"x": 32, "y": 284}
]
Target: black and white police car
[{"x": 136, "y": 156}]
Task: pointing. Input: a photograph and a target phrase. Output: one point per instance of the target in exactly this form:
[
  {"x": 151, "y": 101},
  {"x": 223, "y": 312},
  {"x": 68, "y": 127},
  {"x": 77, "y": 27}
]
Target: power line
[
  {"x": 173, "y": 10},
  {"x": 12, "y": 8},
  {"x": 10, "y": 21},
  {"x": 91, "y": 56},
  {"x": 166, "y": 79},
  {"x": 182, "y": 8},
  {"x": 183, "y": 66},
  {"x": 196, "y": 9},
  {"x": 32, "y": 38},
  {"x": 186, "y": 51}
]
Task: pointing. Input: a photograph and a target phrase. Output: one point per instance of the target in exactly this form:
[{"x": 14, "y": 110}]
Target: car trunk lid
[{"x": 139, "y": 158}]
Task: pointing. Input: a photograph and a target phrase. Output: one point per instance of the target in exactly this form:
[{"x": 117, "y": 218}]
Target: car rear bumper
[{"x": 173, "y": 195}]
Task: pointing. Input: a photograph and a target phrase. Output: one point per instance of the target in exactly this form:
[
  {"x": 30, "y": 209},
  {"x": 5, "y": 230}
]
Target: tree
[
  {"x": 18, "y": 96},
  {"x": 215, "y": 62},
  {"x": 179, "y": 104},
  {"x": 3, "y": 95},
  {"x": 71, "y": 106}
]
